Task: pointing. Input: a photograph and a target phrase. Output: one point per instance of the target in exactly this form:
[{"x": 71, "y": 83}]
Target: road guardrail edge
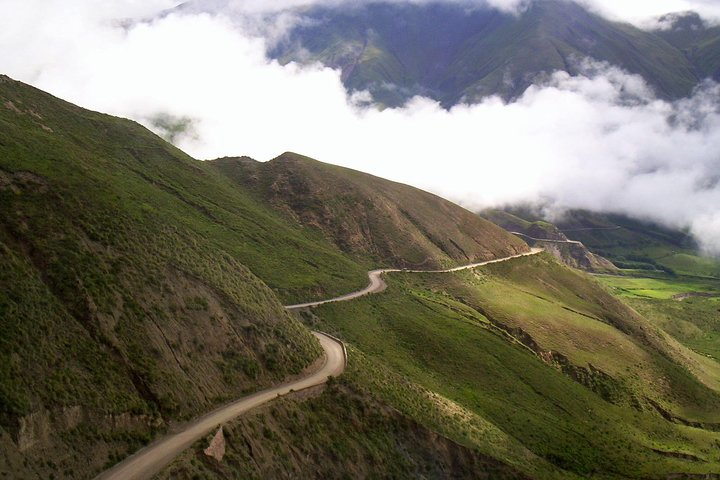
[{"x": 342, "y": 344}]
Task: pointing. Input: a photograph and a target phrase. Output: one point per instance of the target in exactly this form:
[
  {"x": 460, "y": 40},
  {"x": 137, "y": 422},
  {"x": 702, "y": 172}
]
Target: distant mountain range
[
  {"x": 453, "y": 53},
  {"x": 628, "y": 242}
]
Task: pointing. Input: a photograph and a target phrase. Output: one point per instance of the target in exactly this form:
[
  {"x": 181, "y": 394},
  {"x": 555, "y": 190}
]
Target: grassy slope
[
  {"x": 128, "y": 286},
  {"x": 693, "y": 321},
  {"x": 452, "y": 54},
  {"x": 119, "y": 162},
  {"x": 124, "y": 266},
  {"x": 489, "y": 343},
  {"x": 659, "y": 288},
  {"x": 395, "y": 224}
]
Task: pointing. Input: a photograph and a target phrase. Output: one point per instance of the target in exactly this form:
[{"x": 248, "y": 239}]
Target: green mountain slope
[
  {"x": 539, "y": 366},
  {"x": 128, "y": 288},
  {"x": 636, "y": 244},
  {"x": 343, "y": 432},
  {"x": 698, "y": 41},
  {"x": 395, "y": 224},
  {"x": 140, "y": 287},
  {"x": 135, "y": 288},
  {"x": 453, "y": 53}
]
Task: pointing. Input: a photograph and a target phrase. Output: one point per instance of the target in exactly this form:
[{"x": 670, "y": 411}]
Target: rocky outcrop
[
  {"x": 216, "y": 449},
  {"x": 32, "y": 430},
  {"x": 576, "y": 255}
]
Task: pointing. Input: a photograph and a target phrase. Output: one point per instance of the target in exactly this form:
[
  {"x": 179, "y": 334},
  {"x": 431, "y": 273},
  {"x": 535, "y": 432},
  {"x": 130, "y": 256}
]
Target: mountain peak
[{"x": 681, "y": 21}]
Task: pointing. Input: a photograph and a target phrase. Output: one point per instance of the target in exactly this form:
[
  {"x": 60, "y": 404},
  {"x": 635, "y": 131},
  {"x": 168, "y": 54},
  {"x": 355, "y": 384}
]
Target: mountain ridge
[
  {"x": 455, "y": 55},
  {"x": 396, "y": 224}
]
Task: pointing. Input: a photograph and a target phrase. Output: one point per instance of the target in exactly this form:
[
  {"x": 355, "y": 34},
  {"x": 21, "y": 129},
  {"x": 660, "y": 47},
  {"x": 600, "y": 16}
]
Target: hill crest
[{"x": 395, "y": 224}]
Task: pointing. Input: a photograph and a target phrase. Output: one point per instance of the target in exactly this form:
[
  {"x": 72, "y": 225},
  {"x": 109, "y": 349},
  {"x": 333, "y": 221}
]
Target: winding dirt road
[
  {"x": 575, "y": 242},
  {"x": 590, "y": 229},
  {"x": 377, "y": 284},
  {"x": 153, "y": 458}
]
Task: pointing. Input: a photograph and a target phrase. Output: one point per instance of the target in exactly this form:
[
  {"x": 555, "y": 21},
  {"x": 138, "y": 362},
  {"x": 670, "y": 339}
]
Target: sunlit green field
[
  {"x": 658, "y": 288},
  {"x": 693, "y": 321}
]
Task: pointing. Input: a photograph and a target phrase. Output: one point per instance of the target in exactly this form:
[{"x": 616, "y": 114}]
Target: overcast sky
[{"x": 601, "y": 141}]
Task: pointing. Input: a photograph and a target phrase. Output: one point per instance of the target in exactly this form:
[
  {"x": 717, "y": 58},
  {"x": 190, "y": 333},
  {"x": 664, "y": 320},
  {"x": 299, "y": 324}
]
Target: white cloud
[
  {"x": 642, "y": 12},
  {"x": 598, "y": 142}
]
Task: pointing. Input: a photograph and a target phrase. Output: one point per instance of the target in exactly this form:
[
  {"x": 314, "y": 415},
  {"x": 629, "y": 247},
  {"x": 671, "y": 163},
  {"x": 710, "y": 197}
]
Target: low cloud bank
[{"x": 601, "y": 141}]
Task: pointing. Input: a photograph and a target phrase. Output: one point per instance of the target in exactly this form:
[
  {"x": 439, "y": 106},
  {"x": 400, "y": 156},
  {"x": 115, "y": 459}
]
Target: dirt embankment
[
  {"x": 340, "y": 432},
  {"x": 684, "y": 296}
]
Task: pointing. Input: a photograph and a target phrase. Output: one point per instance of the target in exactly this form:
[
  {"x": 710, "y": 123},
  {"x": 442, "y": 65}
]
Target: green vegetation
[
  {"x": 128, "y": 271},
  {"x": 454, "y": 55},
  {"x": 687, "y": 262},
  {"x": 698, "y": 40},
  {"x": 684, "y": 307},
  {"x": 341, "y": 433},
  {"x": 694, "y": 321},
  {"x": 536, "y": 231},
  {"x": 633, "y": 244},
  {"x": 659, "y": 288},
  {"x": 135, "y": 280},
  {"x": 542, "y": 358},
  {"x": 394, "y": 224},
  {"x": 140, "y": 286}
]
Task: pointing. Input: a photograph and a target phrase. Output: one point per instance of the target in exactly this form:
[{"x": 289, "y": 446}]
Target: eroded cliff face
[{"x": 71, "y": 442}]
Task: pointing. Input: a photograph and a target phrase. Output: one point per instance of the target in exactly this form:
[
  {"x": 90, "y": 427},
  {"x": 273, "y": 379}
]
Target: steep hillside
[
  {"x": 699, "y": 41},
  {"x": 336, "y": 435},
  {"x": 129, "y": 289},
  {"x": 451, "y": 53},
  {"x": 548, "y": 236},
  {"x": 395, "y": 224}
]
